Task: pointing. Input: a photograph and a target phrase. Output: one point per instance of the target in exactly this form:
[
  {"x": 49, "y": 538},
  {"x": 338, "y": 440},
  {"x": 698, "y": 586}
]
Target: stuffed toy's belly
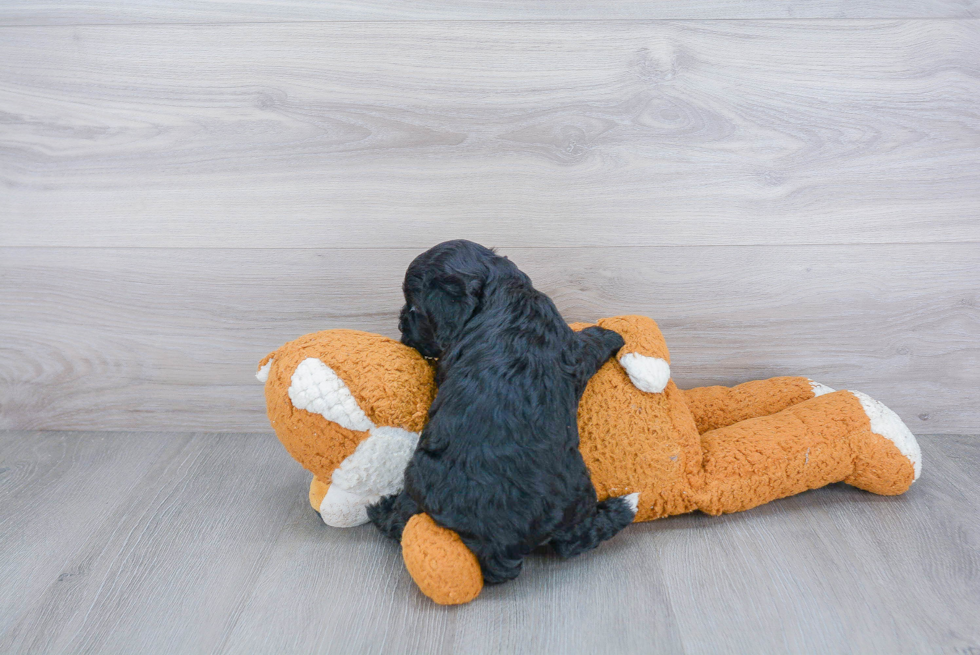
[{"x": 634, "y": 441}]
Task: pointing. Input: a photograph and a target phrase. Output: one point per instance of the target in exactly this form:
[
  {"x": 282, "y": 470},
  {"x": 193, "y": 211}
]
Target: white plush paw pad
[
  {"x": 633, "y": 500},
  {"x": 650, "y": 374},
  {"x": 263, "y": 373},
  {"x": 314, "y": 387},
  {"x": 886, "y": 423},
  {"x": 819, "y": 389},
  {"x": 342, "y": 509}
]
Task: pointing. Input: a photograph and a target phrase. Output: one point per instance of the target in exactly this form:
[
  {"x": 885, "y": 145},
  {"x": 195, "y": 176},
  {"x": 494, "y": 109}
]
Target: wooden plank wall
[{"x": 789, "y": 188}]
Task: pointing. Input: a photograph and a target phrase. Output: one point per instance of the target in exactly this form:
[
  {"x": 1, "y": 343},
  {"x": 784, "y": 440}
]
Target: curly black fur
[{"x": 499, "y": 461}]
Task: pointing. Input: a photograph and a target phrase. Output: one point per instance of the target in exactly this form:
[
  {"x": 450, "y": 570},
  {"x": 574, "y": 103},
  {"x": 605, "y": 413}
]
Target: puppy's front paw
[
  {"x": 614, "y": 341},
  {"x": 649, "y": 374}
]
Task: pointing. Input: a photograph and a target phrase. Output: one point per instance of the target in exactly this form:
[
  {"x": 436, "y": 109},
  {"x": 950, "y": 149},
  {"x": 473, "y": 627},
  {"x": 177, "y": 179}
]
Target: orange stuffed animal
[{"x": 349, "y": 406}]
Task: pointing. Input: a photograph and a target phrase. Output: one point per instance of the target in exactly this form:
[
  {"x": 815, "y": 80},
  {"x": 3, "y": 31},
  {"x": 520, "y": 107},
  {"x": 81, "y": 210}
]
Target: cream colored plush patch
[
  {"x": 375, "y": 469},
  {"x": 343, "y": 509},
  {"x": 650, "y": 374},
  {"x": 378, "y": 465},
  {"x": 887, "y": 423},
  {"x": 314, "y": 387}
]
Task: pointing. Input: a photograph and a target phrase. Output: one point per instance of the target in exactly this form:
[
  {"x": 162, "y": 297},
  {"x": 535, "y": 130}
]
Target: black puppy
[{"x": 499, "y": 461}]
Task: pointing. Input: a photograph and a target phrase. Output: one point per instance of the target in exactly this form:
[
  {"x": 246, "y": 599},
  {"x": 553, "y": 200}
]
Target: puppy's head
[{"x": 444, "y": 289}]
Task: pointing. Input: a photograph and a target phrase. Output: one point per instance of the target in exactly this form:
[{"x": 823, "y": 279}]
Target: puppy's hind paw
[
  {"x": 633, "y": 500},
  {"x": 649, "y": 374}
]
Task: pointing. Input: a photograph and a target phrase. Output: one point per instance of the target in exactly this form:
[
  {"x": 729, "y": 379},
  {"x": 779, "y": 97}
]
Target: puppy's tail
[{"x": 610, "y": 516}]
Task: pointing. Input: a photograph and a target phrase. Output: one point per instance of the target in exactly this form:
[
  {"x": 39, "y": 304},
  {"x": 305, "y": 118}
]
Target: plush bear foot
[
  {"x": 318, "y": 489},
  {"x": 440, "y": 564},
  {"x": 338, "y": 507},
  {"x": 887, "y": 456}
]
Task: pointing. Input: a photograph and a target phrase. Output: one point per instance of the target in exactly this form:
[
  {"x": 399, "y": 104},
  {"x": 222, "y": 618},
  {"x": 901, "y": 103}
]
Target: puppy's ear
[
  {"x": 451, "y": 301},
  {"x": 456, "y": 286},
  {"x": 451, "y": 285}
]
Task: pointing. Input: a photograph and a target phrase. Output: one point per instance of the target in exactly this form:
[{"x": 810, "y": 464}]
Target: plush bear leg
[
  {"x": 876, "y": 467},
  {"x": 840, "y": 436},
  {"x": 717, "y": 407}
]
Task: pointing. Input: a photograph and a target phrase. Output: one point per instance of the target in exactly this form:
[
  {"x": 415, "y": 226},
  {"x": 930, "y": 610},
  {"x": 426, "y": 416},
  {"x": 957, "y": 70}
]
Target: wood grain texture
[
  {"x": 569, "y": 133},
  {"x": 54, "y": 491},
  {"x": 217, "y": 551},
  {"x": 169, "y": 568},
  {"x": 26, "y": 12},
  {"x": 875, "y": 575},
  {"x": 151, "y": 338}
]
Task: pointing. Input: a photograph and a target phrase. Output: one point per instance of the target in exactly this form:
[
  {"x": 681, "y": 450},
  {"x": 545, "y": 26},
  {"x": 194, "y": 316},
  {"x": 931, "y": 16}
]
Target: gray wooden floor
[{"x": 201, "y": 543}]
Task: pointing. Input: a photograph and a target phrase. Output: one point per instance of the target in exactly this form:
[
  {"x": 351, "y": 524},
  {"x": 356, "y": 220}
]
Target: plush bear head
[{"x": 349, "y": 407}]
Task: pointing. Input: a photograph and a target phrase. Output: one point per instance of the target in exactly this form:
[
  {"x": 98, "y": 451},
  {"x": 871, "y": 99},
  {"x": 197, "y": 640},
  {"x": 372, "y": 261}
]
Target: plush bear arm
[
  {"x": 645, "y": 356},
  {"x": 439, "y": 562},
  {"x": 718, "y": 407}
]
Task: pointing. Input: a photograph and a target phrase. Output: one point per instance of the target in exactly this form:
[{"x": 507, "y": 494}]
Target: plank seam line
[
  {"x": 511, "y": 247},
  {"x": 409, "y": 21}
]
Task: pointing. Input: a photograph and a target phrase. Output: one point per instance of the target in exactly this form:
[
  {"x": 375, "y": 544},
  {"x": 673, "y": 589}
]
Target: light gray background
[{"x": 185, "y": 186}]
